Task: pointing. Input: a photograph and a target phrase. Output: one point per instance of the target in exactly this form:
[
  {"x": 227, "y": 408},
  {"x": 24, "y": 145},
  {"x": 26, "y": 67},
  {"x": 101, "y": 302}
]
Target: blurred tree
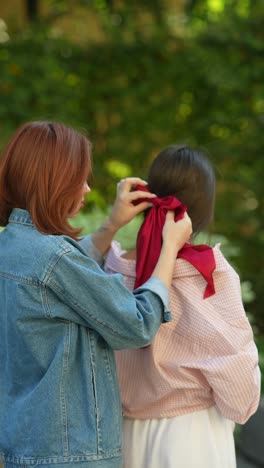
[{"x": 32, "y": 9}]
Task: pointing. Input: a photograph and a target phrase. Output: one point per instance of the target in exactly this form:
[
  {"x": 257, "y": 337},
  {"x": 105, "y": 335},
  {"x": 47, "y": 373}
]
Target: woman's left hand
[{"x": 124, "y": 210}]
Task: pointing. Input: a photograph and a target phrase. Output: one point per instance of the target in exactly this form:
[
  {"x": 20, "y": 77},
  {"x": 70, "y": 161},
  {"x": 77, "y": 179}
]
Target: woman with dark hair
[
  {"x": 182, "y": 394},
  {"x": 61, "y": 316}
]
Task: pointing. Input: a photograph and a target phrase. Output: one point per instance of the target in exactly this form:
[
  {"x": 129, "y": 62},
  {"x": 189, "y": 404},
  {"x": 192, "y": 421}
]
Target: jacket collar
[{"x": 20, "y": 216}]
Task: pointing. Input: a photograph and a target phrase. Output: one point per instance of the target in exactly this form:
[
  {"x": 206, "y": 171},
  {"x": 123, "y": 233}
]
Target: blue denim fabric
[{"x": 61, "y": 317}]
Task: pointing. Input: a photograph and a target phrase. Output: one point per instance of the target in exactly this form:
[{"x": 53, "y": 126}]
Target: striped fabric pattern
[{"x": 206, "y": 356}]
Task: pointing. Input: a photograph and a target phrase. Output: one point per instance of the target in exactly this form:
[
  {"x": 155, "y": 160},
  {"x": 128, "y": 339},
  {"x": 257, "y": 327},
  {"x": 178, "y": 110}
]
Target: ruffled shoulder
[{"x": 118, "y": 264}]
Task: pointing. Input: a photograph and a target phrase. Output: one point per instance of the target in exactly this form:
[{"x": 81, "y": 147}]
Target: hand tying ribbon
[{"x": 149, "y": 243}]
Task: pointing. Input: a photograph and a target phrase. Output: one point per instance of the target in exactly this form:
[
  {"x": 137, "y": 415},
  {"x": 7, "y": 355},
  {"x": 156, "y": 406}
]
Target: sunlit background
[{"x": 138, "y": 76}]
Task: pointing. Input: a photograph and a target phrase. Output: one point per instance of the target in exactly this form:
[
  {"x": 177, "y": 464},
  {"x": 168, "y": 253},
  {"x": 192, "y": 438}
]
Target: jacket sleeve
[
  {"x": 91, "y": 298},
  {"x": 87, "y": 244},
  {"x": 232, "y": 370}
]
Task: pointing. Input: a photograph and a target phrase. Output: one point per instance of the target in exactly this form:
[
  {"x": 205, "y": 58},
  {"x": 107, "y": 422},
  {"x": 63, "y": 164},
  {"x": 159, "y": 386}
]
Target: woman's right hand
[
  {"x": 123, "y": 211},
  {"x": 176, "y": 234}
]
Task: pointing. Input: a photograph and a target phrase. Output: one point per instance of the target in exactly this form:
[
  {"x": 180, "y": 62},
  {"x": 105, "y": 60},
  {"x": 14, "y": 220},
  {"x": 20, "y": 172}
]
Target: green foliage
[
  {"x": 92, "y": 220},
  {"x": 158, "y": 78}
]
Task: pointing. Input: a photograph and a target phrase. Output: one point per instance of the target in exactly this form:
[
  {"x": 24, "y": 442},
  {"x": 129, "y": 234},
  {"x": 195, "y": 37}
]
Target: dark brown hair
[
  {"x": 43, "y": 170},
  {"x": 188, "y": 175}
]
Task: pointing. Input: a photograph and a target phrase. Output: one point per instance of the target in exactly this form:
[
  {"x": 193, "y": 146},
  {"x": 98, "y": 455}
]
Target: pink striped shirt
[{"x": 205, "y": 356}]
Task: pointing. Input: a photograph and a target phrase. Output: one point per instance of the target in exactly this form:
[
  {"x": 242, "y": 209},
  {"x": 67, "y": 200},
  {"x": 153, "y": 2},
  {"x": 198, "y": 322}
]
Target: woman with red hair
[{"x": 61, "y": 316}]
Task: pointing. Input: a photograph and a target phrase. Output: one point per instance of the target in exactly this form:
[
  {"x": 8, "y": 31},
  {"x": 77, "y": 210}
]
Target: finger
[
  {"x": 139, "y": 194},
  {"x": 170, "y": 216},
  {"x": 186, "y": 216},
  {"x": 128, "y": 182}
]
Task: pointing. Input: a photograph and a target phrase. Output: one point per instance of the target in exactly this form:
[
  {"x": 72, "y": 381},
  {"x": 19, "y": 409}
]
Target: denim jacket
[{"x": 61, "y": 317}]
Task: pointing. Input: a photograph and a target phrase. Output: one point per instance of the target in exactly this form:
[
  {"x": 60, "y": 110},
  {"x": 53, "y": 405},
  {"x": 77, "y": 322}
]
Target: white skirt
[{"x": 203, "y": 439}]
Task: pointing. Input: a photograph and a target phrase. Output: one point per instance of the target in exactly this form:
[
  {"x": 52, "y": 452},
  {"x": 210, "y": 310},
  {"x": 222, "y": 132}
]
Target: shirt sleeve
[
  {"x": 232, "y": 370},
  {"x": 102, "y": 302}
]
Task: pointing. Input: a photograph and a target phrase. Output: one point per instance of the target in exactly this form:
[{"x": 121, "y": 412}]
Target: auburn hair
[
  {"x": 43, "y": 170},
  {"x": 188, "y": 175}
]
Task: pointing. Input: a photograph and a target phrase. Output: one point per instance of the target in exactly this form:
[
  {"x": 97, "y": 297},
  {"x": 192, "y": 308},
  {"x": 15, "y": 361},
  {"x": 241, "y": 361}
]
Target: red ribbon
[{"x": 149, "y": 242}]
